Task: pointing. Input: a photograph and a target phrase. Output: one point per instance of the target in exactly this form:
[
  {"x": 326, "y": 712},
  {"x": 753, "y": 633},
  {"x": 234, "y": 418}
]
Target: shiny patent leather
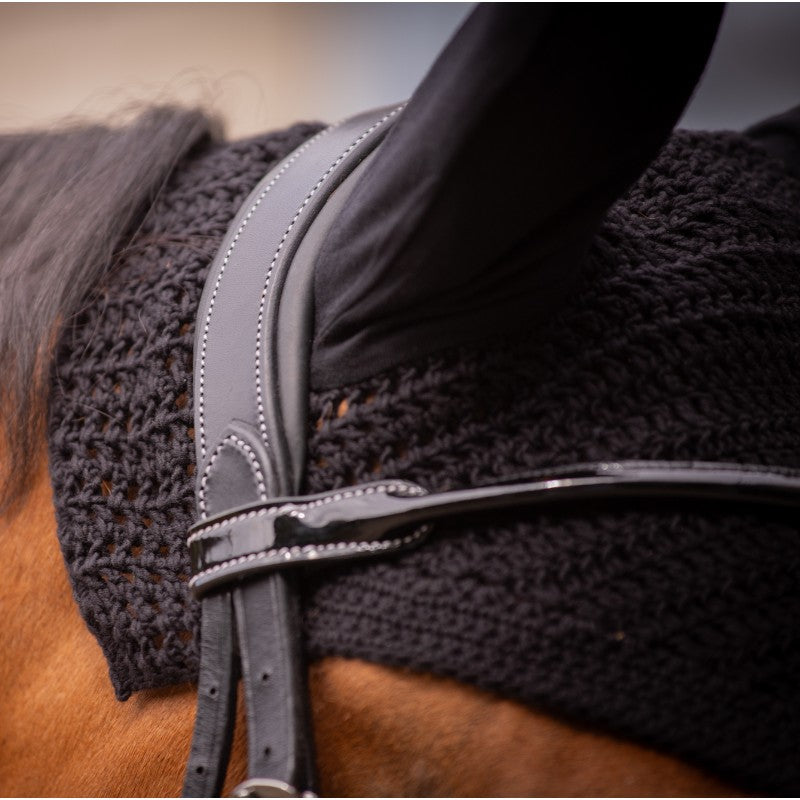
[{"x": 377, "y": 518}]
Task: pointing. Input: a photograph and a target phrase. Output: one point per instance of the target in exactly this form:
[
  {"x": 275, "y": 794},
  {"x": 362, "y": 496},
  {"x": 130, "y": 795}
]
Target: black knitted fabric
[
  {"x": 121, "y": 432},
  {"x": 671, "y": 624}
]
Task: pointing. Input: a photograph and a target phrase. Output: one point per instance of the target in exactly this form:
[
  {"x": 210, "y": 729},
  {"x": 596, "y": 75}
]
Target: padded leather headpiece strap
[{"x": 251, "y": 389}]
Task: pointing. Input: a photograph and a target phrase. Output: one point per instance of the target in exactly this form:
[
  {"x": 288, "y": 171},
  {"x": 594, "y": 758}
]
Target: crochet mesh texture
[
  {"x": 121, "y": 420},
  {"x": 671, "y": 624}
]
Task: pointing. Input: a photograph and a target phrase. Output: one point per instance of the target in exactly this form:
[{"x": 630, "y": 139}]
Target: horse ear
[{"x": 479, "y": 206}]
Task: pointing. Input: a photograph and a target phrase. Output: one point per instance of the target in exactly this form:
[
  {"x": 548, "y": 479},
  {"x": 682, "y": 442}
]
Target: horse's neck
[
  {"x": 379, "y": 731},
  {"x": 64, "y": 732}
]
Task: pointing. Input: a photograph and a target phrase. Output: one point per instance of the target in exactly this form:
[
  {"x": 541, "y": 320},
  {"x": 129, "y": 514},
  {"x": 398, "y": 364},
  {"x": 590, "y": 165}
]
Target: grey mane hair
[{"x": 69, "y": 200}]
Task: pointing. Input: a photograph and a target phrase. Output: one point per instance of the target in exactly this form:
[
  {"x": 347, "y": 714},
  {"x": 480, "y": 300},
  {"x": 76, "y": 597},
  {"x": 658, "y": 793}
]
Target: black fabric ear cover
[{"x": 477, "y": 213}]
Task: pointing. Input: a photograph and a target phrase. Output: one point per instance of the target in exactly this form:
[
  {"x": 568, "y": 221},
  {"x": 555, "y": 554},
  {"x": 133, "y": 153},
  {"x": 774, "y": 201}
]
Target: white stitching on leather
[
  {"x": 242, "y": 226},
  {"x": 259, "y": 398},
  {"x": 296, "y": 509},
  {"x": 308, "y": 552},
  {"x": 252, "y": 462}
]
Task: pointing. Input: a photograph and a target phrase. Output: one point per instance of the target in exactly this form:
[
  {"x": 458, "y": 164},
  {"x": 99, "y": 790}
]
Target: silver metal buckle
[{"x": 264, "y": 787}]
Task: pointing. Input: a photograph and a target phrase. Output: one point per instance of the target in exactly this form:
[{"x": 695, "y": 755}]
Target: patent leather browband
[
  {"x": 377, "y": 518},
  {"x": 251, "y": 369}
]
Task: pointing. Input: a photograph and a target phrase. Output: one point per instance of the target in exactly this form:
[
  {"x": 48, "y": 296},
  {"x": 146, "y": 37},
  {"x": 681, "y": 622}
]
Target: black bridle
[{"x": 251, "y": 374}]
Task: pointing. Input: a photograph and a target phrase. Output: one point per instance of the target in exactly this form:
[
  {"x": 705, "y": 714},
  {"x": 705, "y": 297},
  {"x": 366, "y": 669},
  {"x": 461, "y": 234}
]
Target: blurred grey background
[
  {"x": 259, "y": 65},
  {"x": 754, "y": 70},
  {"x": 262, "y": 65}
]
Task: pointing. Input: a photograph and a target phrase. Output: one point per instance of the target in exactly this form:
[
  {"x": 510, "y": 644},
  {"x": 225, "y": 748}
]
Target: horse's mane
[{"x": 69, "y": 199}]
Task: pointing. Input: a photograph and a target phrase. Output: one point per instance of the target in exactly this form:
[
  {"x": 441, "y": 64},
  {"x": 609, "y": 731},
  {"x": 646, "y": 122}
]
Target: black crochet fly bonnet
[{"x": 673, "y": 626}]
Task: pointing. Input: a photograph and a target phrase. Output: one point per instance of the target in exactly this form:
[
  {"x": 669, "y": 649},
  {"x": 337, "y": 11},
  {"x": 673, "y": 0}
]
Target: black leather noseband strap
[{"x": 251, "y": 373}]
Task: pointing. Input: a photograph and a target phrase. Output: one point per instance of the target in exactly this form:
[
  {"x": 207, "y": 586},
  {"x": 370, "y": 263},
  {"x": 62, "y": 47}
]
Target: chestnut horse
[{"x": 379, "y": 731}]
